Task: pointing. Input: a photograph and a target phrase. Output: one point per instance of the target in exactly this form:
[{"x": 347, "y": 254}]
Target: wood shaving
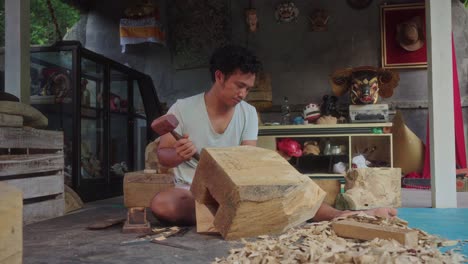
[
  {"x": 160, "y": 238},
  {"x": 317, "y": 243}
]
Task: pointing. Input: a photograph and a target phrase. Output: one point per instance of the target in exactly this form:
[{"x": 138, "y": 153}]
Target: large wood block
[
  {"x": 255, "y": 190},
  {"x": 140, "y": 187},
  {"x": 11, "y": 229},
  {"x": 368, "y": 188}
]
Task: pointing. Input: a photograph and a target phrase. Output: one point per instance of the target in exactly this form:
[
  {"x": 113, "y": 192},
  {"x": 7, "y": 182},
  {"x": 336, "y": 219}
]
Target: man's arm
[
  {"x": 249, "y": 142},
  {"x": 172, "y": 152}
]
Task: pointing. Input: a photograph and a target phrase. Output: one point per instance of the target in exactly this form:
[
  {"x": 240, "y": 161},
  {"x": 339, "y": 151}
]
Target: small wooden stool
[
  {"x": 136, "y": 221},
  {"x": 139, "y": 189}
]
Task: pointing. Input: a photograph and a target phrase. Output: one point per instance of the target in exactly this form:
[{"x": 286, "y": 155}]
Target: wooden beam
[
  {"x": 17, "y": 43},
  {"x": 365, "y": 231},
  {"x": 441, "y": 117},
  {"x": 11, "y": 229}
]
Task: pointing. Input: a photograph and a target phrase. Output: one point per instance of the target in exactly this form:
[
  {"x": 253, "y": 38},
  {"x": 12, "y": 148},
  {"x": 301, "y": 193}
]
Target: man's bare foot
[{"x": 384, "y": 212}]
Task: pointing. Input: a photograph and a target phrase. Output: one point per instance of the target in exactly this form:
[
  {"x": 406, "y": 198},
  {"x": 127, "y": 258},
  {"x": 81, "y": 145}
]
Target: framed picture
[{"x": 403, "y": 36}]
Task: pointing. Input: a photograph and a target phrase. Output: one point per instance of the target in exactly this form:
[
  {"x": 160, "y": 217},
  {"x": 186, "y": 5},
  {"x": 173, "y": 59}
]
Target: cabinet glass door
[
  {"x": 51, "y": 94},
  {"x": 139, "y": 128},
  {"x": 92, "y": 154},
  {"x": 119, "y": 151}
]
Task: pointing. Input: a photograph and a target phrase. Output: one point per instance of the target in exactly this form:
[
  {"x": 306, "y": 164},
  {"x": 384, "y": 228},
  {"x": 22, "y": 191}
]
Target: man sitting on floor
[{"x": 217, "y": 118}]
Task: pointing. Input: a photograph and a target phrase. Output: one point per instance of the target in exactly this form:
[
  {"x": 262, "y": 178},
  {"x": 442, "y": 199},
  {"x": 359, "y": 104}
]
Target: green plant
[{"x": 42, "y": 26}]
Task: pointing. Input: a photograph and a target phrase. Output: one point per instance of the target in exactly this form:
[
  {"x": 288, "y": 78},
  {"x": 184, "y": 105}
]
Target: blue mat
[{"x": 447, "y": 223}]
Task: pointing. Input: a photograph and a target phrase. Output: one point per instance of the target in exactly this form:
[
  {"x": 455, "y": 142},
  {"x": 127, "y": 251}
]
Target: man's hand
[{"x": 185, "y": 148}]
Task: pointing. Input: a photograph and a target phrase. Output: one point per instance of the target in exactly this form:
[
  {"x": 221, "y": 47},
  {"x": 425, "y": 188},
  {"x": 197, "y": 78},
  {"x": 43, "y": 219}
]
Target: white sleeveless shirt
[{"x": 194, "y": 121}]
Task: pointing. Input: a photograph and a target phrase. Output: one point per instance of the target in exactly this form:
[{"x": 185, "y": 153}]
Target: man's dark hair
[{"x": 232, "y": 57}]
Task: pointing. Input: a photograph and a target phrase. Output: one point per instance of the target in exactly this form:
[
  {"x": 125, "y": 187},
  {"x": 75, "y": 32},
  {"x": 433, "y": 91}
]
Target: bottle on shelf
[{"x": 285, "y": 112}]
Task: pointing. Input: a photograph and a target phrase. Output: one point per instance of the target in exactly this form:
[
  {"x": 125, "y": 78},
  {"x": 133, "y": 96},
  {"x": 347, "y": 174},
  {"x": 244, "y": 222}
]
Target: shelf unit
[
  {"x": 370, "y": 138},
  {"x": 104, "y": 109}
]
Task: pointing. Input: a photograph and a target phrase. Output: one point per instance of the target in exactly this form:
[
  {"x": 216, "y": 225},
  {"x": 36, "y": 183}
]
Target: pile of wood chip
[{"x": 317, "y": 243}]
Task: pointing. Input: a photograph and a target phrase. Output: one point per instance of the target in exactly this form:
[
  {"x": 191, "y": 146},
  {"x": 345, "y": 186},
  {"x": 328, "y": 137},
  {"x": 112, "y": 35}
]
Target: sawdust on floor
[{"x": 317, "y": 243}]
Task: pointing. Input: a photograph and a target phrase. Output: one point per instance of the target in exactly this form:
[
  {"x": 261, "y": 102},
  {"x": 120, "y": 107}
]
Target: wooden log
[
  {"x": 258, "y": 191},
  {"x": 24, "y": 164},
  {"x": 11, "y": 229},
  {"x": 30, "y": 138},
  {"x": 139, "y": 187},
  {"x": 368, "y": 188},
  {"x": 32, "y": 117},
  {"x": 365, "y": 231},
  {"x": 331, "y": 187},
  {"x": 7, "y": 120}
]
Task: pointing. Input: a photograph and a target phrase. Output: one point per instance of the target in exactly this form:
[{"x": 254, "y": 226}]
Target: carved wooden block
[
  {"x": 253, "y": 191},
  {"x": 368, "y": 188}
]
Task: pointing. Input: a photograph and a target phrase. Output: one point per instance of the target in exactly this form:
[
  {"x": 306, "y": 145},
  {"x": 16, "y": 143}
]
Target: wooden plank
[
  {"x": 365, "y": 231},
  {"x": 7, "y": 120},
  {"x": 24, "y": 164},
  {"x": 11, "y": 229},
  {"x": 36, "y": 212},
  {"x": 139, "y": 187},
  {"x": 39, "y": 186},
  {"x": 26, "y": 137}
]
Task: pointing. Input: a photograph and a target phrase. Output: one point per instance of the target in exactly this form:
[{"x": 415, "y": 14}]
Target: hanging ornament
[
  {"x": 286, "y": 12},
  {"x": 319, "y": 20},
  {"x": 251, "y": 19}
]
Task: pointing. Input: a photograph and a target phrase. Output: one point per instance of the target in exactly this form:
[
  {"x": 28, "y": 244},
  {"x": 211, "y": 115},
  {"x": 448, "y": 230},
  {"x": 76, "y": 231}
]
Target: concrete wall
[{"x": 299, "y": 60}]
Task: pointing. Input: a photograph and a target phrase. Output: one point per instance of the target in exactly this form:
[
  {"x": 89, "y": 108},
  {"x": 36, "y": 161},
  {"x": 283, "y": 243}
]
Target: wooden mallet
[{"x": 166, "y": 124}]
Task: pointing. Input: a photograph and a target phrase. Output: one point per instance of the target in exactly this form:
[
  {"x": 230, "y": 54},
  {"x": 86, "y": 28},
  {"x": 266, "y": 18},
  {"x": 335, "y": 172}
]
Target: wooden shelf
[{"x": 355, "y": 138}]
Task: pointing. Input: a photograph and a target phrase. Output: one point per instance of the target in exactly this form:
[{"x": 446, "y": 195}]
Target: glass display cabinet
[{"x": 104, "y": 109}]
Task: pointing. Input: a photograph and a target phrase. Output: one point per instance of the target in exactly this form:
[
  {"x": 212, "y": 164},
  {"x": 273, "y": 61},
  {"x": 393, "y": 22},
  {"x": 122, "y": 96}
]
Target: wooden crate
[{"x": 33, "y": 161}]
